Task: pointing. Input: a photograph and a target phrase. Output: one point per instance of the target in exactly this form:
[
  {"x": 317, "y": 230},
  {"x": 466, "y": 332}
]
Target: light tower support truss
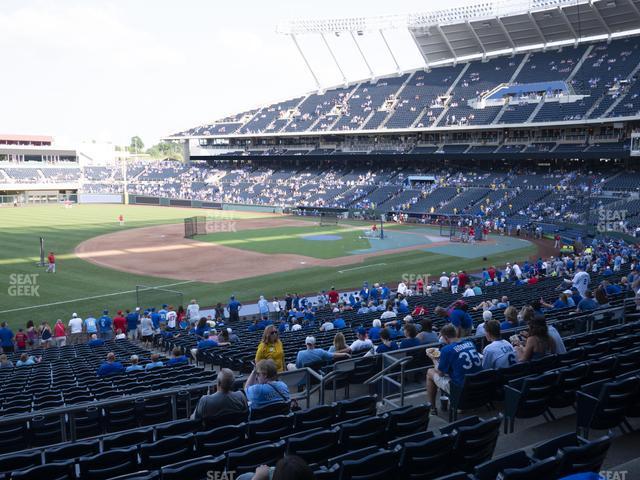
[
  {"x": 364, "y": 57},
  {"x": 335, "y": 60},
  {"x": 313, "y": 74},
  {"x": 393, "y": 57}
]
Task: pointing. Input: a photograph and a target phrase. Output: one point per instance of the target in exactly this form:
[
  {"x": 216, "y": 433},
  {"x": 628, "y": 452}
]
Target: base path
[{"x": 162, "y": 251}]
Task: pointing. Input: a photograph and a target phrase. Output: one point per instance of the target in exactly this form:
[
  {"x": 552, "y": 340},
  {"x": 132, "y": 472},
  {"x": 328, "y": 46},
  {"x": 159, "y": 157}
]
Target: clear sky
[{"x": 107, "y": 70}]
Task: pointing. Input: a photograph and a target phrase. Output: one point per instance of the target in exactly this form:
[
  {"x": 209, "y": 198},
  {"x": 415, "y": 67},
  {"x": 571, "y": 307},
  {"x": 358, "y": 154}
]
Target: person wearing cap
[
  {"x": 105, "y": 326},
  {"x": 361, "y": 343},
  {"x": 75, "y": 329},
  {"x": 119, "y": 322},
  {"x": 312, "y": 355}
]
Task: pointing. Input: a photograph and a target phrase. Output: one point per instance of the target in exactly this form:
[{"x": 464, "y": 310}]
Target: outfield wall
[{"x": 99, "y": 198}]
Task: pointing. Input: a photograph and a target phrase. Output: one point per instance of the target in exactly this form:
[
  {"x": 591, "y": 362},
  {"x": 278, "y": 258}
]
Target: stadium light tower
[{"x": 448, "y": 26}]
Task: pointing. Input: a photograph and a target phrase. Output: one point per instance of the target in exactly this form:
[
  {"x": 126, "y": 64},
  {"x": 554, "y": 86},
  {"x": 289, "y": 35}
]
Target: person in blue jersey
[
  {"x": 234, "y": 309},
  {"x": 387, "y": 344},
  {"x": 410, "y": 333},
  {"x": 132, "y": 323},
  {"x": 457, "y": 359},
  {"x": 105, "y": 326}
]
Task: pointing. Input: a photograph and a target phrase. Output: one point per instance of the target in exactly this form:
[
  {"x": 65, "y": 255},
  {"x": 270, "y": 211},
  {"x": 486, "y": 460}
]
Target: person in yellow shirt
[{"x": 270, "y": 347}]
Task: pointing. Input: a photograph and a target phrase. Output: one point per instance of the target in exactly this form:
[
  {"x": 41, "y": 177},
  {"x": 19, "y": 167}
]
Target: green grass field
[
  {"x": 85, "y": 288},
  {"x": 290, "y": 240}
]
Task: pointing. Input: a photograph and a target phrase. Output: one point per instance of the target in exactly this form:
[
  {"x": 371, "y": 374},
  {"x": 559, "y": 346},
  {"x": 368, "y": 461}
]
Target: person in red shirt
[
  {"x": 121, "y": 219},
  {"x": 119, "y": 322},
  {"x": 420, "y": 286},
  {"x": 333, "y": 295},
  {"x": 419, "y": 311},
  {"x": 59, "y": 334},
  {"x": 492, "y": 273},
  {"x": 463, "y": 279},
  {"x": 52, "y": 263},
  {"x": 21, "y": 340}
]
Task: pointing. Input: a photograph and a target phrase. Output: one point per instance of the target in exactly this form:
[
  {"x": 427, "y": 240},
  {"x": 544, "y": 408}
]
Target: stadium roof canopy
[{"x": 494, "y": 27}]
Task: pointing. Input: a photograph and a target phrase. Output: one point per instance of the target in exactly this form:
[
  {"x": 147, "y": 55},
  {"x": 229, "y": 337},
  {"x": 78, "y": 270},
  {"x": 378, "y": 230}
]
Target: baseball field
[{"x": 99, "y": 263}]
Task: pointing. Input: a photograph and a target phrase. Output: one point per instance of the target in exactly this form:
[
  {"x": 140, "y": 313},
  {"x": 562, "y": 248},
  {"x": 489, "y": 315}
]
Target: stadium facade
[{"x": 549, "y": 79}]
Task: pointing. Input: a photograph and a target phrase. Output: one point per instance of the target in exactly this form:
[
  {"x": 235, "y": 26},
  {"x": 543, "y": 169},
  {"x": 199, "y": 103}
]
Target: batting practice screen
[{"x": 195, "y": 226}]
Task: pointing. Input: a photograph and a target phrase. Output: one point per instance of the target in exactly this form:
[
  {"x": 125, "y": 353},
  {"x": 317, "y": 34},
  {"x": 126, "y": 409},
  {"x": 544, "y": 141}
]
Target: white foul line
[
  {"x": 93, "y": 297},
  {"x": 358, "y": 268}
]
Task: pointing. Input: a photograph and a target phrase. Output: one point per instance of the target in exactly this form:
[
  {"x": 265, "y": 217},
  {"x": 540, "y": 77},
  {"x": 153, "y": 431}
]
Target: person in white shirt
[
  {"x": 517, "y": 271},
  {"x": 389, "y": 314},
  {"x": 193, "y": 311},
  {"x": 498, "y": 353},
  {"x": 326, "y": 326},
  {"x": 444, "y": 281},
  {"x": 580, "y": 281},
  {"x": 507, "y": 271},
  {"x": 296, "y": 325},
  {"x": 402, "y": 288},
  {"x": 469, "y": 292},
  {"x": 75, "y": 329},
  {"x": 275, "y": 308},
  {"x": 172, "y": 317},
  {"x": 361, "y": 343}
]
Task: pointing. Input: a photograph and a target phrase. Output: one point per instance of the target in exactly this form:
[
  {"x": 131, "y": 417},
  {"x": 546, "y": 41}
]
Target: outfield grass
[
  {"x": 77, "y": 279},
  {"x": 291, "y": 240}
]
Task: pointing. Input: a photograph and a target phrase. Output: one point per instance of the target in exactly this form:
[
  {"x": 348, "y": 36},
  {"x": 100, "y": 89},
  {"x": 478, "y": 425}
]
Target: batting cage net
[
  {"x": 327, "y": 220},
  {"x": 147, "y": 297},
  {"x": 195, "y": 226}
]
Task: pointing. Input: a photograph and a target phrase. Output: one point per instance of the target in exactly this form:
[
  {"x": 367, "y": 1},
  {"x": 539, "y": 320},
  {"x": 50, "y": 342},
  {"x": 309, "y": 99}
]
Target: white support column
[
  {"x": 448, "y": 44},
  {"x": 597, "y": 14},
  {"x": 507, "y": 36},
  {"x": 362, "y": 54},
  {"x": 335, "y": 60},
  {"x": 393, "y": 57},
  {"x": 569, "y": 26},
  {"x": 313, "y": 74},
  {"x": 475, "y": 35}
]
